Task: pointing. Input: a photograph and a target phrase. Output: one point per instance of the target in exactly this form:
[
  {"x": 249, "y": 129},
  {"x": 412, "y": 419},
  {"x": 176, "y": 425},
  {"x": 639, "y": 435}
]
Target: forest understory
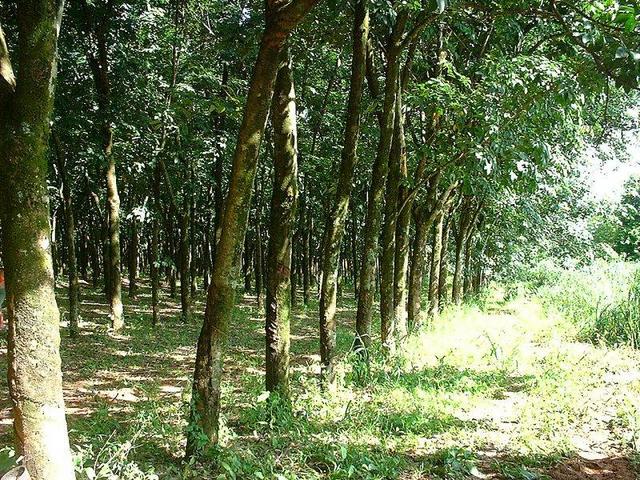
[{"x": 499, "y": 388}]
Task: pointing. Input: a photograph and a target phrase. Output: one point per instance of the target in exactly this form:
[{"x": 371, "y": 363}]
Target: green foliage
[
  {"x": 602, "y": 300},
  {"x": 452, "y": 464}
]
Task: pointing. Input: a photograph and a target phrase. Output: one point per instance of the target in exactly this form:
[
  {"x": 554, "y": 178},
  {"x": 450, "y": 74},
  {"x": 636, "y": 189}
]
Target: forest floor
[{"x": 499, "y": 390}]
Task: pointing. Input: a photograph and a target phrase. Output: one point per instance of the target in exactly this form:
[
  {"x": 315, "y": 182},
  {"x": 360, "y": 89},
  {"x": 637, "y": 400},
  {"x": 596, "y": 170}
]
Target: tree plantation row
[{"x": 403, "y": 152}]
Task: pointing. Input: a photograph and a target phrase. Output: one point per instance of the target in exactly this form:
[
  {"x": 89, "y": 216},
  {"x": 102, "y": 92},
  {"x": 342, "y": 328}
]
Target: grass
[{"x": 502, "y": 388}]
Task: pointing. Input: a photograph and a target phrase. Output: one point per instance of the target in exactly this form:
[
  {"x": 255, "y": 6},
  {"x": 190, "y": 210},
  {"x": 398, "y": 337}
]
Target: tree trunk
[
  {"x": 434, "y": 277},
  {"x": 258, "y": 266},
  {"x": 468, "y": 253},
  {"x": 155, "y": 273},
  {"x": 205, "y": 402},
  {"x": 281, "y": 225},
  {"x": 334, "y": 229},
  {"x": 113, "y": 203},
  {"x": 464, "y": 225},
  {"x": 444, "y": 265},
  {"x": 366, "y": 286},
  {"x": 72, "y": 266},
  {"x": 34, "y": 366},
  {"x": 387, "y": 259},
  {"x": 401, "y": 293},
  {"x": 134, "y": 247},
  {"x": 185, "y": 266}
]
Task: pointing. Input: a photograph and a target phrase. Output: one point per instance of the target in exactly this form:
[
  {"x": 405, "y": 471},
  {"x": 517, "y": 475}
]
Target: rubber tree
[
  {"x": 335, "y": 226},
  {"x": 281, "y": 18},
  {"x": 95, "y": 27},
  {"x": 34, "y": 366},
  {"x": 70, "y": 235},
  {"x": 366, "y": 286},
  {"x": 425, "y": 215},
  {"x": 283, "y": 215}
]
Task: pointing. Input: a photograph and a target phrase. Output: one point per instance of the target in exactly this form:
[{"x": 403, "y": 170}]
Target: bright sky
[{"x": 608, "y": 175}]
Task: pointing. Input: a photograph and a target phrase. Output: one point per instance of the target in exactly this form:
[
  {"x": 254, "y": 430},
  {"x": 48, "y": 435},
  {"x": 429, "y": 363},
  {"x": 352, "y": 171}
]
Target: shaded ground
[{"x": 500, "y": 391}]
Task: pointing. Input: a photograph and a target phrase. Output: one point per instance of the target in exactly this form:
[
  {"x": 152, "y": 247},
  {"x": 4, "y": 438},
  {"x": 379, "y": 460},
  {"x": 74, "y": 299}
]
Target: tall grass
[{"x": 602, "y": 299}]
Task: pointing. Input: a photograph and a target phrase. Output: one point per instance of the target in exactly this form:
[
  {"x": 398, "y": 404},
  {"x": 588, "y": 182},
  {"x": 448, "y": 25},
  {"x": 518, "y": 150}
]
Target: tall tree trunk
[
  {"x": 468, "y": 253},
  {"x": 434, "y": 277},
  {"x": 155, "y": 273},
  {"x": 334, "y": 228},
  {"x": 96, "y": 29},
  {"x": 426, "y": 215},
  {"x": 462, "y": 233},
  {"x": 185, "y": 265},
  {"x": 281, "y": 225},
  {"x": 306, "y": 261},
  {"x": 401, "y": 293},
  {"x": 134, "y": 248},
  {"x": 70, "y": 230},
  {"x": 416, "y": 276},
  {"x": 34, "y": 366},
  {"x": 295, "y": 262},
  {"x": 205, "y": 402},
  {"x": 366, "y": 286},
  {"x": 444, "y": 262},
  {"x": 258, "y": 266},
  {"x": 387, "y": 258},
  {"x": 113, "y": 204}
]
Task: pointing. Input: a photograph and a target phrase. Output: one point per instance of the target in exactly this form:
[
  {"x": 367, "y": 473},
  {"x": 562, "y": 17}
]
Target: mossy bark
[
  {"x": 70, "y": 237},
  {"x": 366, "y": 285},
  {"x": 388, "y": 255},
  {"x": 96, "y": 27},
  {"x": 462, "y": 232},
  {"x": 34, "y": 366},
  {"x": 334, "y": 229},
  {"x": 281, "y": 225},
  {"x": 434, "y": 277},
  {"x": 134, "y": 246},
  {"x": 206, "y": 394}
]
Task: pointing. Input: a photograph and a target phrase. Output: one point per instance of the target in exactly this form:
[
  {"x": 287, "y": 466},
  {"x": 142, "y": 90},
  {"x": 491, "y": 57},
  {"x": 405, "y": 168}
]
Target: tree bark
[
  {"x": 366, "y": 286},
  {"x": 281, "y": 225},
  {"x": 444, "y": 264},
  {"x": 155, "y": 274},
  {"x": 205, "y": 402},
  {"x": 387, "y": 258},
  {"x": 34, "y": 366},
  {"x": 70, "y": 230},
  {"x": 134, "y": 247},
  {"x": 334, "y": 229},
  {"x": 461, "y": 236}
]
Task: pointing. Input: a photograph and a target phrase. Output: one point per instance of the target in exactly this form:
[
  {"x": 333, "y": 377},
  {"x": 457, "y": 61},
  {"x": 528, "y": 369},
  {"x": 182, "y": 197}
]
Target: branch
[{"x": 7, "y": 78}]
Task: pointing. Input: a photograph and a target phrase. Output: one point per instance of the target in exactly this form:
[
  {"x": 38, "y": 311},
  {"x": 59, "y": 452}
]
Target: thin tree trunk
[
  {"x": 155, "y": 274},
  {"x": 113, "y": 203},
  {"x": 387, "y": 258},
  {"x": 185, "y": 266},
  {"x": 205, "y": 402},
  {"x": 461, "y": 240},
  {"x": 281, "y": 225},
  {"x": 134, "y": 248},
  {"x": 434, "y": 277},
  {"x": 34, "y": 366},
  {"x": 334, "y": 229},
  {"x": 258, "y": 266},
  {"x": 444, "y": 263},
  {"x": 72, "y": 267},
  {"x": 366, "y": 286}
]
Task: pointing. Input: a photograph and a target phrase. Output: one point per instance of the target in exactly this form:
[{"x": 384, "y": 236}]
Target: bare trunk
[
  {"x": 281, "y": 225},
  {"x": 205, "y": 401},
  {"x": 34, "y": 366},
  {"x": 334, "y": 229},
  {"x": 366, "y": 286}
]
